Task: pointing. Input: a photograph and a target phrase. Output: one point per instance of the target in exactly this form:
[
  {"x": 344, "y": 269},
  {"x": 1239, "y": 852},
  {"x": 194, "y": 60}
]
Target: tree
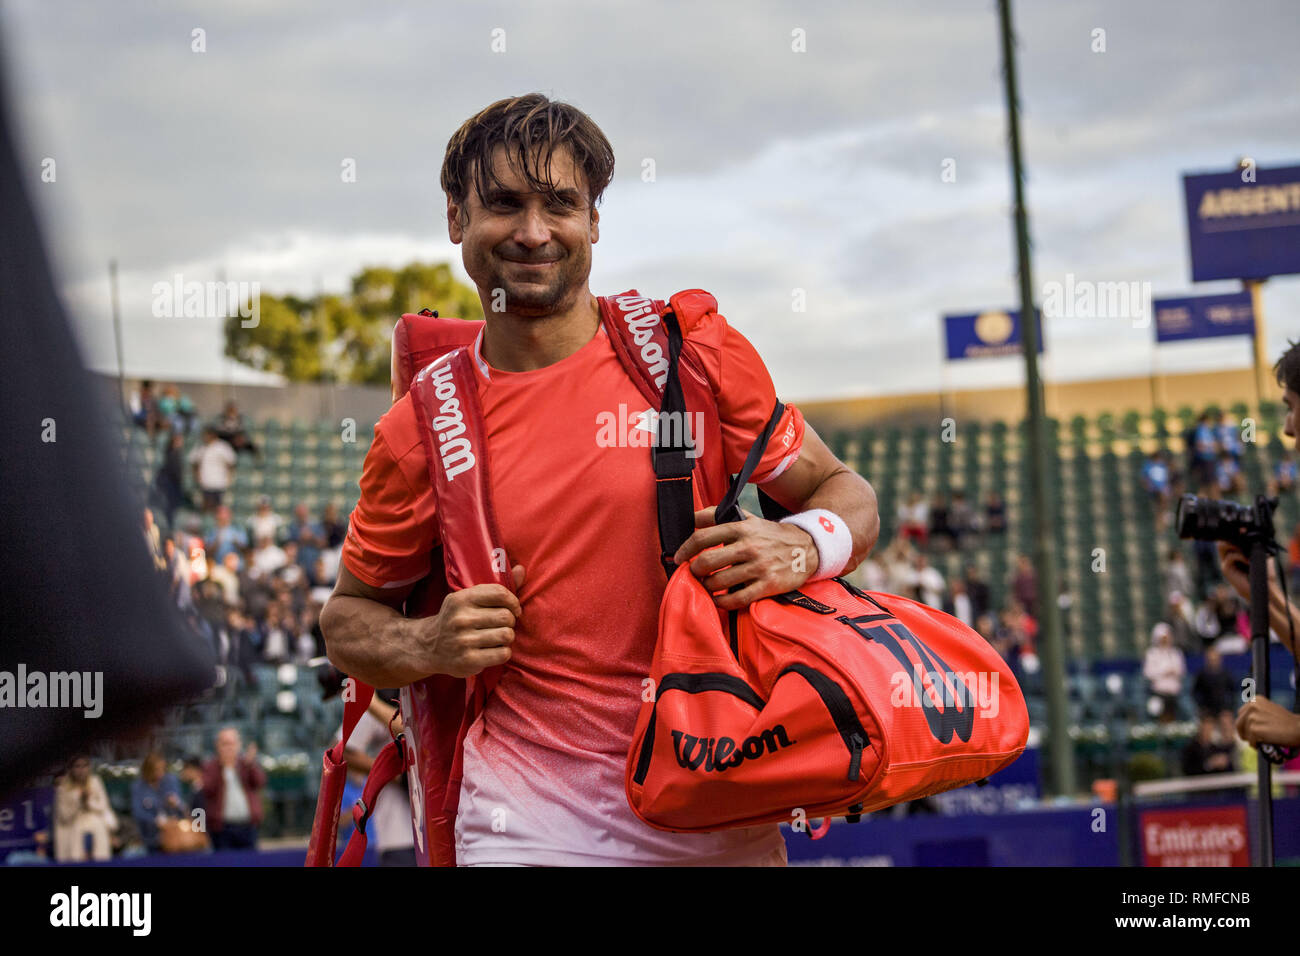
[{"x": 345, "y": 339}]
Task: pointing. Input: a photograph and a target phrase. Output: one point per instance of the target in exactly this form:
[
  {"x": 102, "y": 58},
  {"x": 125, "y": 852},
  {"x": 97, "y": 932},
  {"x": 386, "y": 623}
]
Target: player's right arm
[
  {"x": 391, "y": 534},
  {"x": 367, "y": 637}
]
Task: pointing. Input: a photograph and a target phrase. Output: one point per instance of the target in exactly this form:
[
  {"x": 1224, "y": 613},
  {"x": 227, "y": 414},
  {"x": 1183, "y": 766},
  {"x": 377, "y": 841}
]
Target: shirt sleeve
[
  {"x": 746, "y": 398},
  {"x": 392, "y": 530}
]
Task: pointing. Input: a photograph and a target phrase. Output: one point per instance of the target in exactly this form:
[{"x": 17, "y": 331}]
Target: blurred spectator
[
  {"x": 1024, "y": 585},
  {"x": 1227, "y": 607},
  {"x": 961, "y": 518},
  {"x": 978, "y": 590},
  {"x": 914, "y": 519},
  {"x": 1227, "y": 475},
  {"x": 269, "y": 557},
  {"x": 1206, "y": 752},
  {"x": 940, "y": 529},
  {"x": 1164, "y": 669},
  {"x": 232, "y": 792},
  {"x": 323, "y": 587},
  {"x": 277, "y": 637},
  {"x": 1229, "y": 438},
  {"x": 82, "y": 814},
  {"x": 995, "y": 514},
  {"x": 226, "y": 537},
  {"x": 292, "y": 573},
  {"x": 265, "y": 523},
  {"x": 153, "y": 541},
  {"x": 191, "y": 778},
  {"x": 1156, "y": 481},
  {"x": 930, "y": 585},
  {"x": 1206, "y": 622},
  {"x": 1284, "y": 472},
  {"x": 213, "y": 463},
  {"x": 232, "y": 428},
  {"x": 961, "y": 606},
  {"x": 144, "y": 409},
  {"x": 226, "y": 574},
  {"x": 1204, "y": 450},
  {"x": 155, "y": 797},
  {"x": 1177, "y": 577},
  {"x": 900, "y": 575},
  {"x": 1207, "y": 567},
  {"x": 307, "y": 534},
  {"x": 1182, "y": 624},
  {"x": 176, "y": 410},
  {"x": 335, "y": 528},
  {"x": 1214, "y": 690},
  {"x": 169, "y": 480},
  {"x": 1065, "y": 607}
]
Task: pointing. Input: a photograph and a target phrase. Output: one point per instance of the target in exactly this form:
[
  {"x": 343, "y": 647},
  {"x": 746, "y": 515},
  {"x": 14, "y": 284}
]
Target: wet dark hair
[
  {"x": 1287, "y": 368},
  {"x": 531, "y": 128}
]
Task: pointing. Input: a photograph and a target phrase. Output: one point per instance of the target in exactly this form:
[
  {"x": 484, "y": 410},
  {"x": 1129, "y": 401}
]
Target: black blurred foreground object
[{"x": 78, "y": 593}]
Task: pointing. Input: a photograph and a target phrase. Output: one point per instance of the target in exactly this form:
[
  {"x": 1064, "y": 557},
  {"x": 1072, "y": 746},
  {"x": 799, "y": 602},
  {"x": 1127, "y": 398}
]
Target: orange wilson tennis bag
[{"x": 827, "y": 700}]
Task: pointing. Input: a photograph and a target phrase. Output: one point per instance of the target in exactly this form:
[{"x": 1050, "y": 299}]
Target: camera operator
[{"x": 1261, "y": 720}]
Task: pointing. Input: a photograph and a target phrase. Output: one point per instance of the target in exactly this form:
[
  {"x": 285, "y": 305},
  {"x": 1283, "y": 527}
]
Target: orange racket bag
[{"x": 824, "y": 701}]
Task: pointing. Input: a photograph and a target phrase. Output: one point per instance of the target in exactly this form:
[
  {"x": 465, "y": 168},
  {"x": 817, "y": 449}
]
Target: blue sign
[
  {"x": 1008, "y": 790},
  {"x": 1244, "y": 230},
  {"x": 1204, "y": 317},
  {"x": 22, "y": 816},
  {"x": 986, "y": 334}
]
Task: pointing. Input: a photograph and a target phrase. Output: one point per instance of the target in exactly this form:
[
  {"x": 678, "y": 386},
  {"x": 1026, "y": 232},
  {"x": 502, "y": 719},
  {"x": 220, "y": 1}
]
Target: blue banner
[
  {"x": 1204, "y": 317},
  {"x": 986, "y": 334},
  {"x": 23, "y": 815},
  {"x": 1243, "y": 230}
]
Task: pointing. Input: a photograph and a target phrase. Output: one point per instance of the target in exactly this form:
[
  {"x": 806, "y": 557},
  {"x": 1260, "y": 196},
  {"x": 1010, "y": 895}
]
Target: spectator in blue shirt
[
  {"x": 1227, "y": 473},
  {"x": 308, "y": 535},
  {"x": 1229, "y": 438},
  {"x": 155, "y": 797},
  {"x": 225, "y": 537},
  {"x": 1205, "y": 449},
  {"x": 1156, "y": 481}
]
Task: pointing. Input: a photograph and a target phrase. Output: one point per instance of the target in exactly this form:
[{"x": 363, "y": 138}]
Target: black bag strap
[
  {"x": 728, "y": 508},
  {"x": 673, "y": 466}
]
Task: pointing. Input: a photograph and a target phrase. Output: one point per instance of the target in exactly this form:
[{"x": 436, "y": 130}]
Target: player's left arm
[{"x": 768, "y": 557}]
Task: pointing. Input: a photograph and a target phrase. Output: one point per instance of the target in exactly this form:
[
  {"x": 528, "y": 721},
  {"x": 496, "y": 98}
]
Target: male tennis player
[{"x": 544, "y": 764}]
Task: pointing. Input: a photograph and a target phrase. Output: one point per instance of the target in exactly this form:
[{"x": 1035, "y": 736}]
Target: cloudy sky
[{"x": 775, "y": 169}]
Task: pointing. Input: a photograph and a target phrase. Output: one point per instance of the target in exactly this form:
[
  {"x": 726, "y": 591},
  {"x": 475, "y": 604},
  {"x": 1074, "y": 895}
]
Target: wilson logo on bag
[{"x": 825, "y": 699}]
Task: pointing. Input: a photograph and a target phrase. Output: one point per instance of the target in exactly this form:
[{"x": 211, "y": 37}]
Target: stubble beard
[{"x": 535, "y": 299}]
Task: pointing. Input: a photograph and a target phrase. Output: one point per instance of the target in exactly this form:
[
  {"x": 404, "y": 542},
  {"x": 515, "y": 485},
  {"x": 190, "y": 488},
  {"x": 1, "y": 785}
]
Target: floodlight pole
[{"x": 1060, "y": 751}]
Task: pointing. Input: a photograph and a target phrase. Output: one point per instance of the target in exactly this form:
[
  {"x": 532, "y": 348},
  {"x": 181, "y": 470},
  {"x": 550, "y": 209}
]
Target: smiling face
[{"x": 533, "y": 246}]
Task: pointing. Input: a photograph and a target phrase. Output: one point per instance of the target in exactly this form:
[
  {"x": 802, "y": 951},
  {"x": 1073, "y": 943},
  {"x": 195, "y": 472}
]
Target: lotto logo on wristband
[{"x": 832, "y": 537}]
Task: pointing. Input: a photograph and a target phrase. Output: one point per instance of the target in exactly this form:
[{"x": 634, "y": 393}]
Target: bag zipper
[
  {"x": 841, "y": 711},
  {"x": 692, "y": 684}
]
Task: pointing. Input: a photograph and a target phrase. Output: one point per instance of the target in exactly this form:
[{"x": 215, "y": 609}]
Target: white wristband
[{"x": 832, "y": 537}]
